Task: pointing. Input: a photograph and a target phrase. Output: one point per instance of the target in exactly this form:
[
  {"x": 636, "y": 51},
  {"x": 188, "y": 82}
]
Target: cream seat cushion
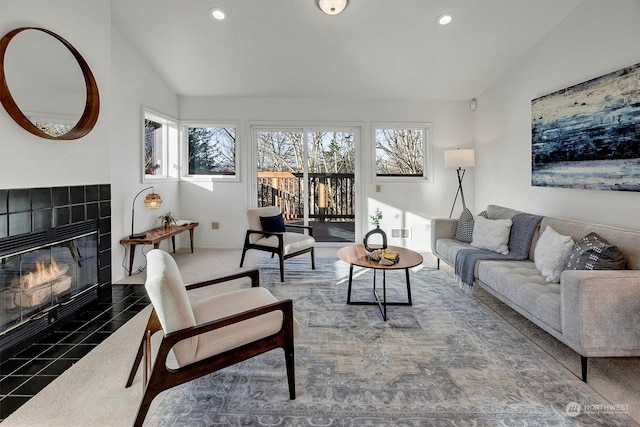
[
  {"x": 238, "y": 334},
  {"x": 293, "y": 242},
  {"x": 169, "y": 297}
]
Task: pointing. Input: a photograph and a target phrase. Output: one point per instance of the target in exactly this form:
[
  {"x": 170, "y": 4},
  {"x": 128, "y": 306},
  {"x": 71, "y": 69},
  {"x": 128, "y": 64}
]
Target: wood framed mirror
[{"x": 10, "y": 53}]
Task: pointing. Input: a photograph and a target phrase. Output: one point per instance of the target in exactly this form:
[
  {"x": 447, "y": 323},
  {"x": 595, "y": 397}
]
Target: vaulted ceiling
[{"x": 375, "y": 49}]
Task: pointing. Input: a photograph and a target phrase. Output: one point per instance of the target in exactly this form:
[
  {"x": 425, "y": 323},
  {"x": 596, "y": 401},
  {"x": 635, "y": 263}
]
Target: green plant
[
  {"x": 167, "y": 217},
  {"x": 376, "y": 217}
]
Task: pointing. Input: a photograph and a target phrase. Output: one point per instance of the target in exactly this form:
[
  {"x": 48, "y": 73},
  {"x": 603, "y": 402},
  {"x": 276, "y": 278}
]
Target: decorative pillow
[
  {"x": 551, "y": 253},
  {"x": 464, "y": 230},
  {"x": 491, "y": 234},
  {"x": 593, "y": 252},
  {"x": 272, "y": 224}
]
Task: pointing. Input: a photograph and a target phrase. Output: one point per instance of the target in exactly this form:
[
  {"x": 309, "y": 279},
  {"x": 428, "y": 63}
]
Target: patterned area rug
[
  {"x": 448, "y": 360},
  {"x": 298, "y": 269}
]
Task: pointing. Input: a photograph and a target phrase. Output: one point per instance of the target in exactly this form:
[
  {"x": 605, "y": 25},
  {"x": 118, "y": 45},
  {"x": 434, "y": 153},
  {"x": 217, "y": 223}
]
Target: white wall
[
  {"x": 29, "y": 161},
  {"x": 598, "y": 37},
  {"x": 111, "y": 152},
  {"x": 409, "y": 205},
  {"x": 135, "y": 84}
]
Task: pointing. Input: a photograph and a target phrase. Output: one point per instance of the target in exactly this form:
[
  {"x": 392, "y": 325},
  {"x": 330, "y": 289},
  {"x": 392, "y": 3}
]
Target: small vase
[
  {"x": 367, "y": 236},
  {"x": 167, "y": 225}
]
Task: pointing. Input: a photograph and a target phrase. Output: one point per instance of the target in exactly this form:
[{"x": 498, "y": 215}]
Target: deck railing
[{"x": 331, "y": 195}]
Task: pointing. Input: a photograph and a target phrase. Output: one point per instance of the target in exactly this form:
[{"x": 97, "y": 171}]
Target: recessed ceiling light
[
  {"x": 444, "y": 19},
  {"x": 218, "y": 14}
]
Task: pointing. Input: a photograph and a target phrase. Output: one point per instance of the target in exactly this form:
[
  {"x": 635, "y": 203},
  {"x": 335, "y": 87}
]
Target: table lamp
[{"x": 152, "y": 201}]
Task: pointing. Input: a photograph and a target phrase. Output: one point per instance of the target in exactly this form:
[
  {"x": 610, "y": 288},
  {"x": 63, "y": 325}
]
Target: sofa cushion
[
  {"x": 448, "y": 248},
  {"x": 492, "y": 234},
  {"x": 595, "y": 253},
  {"x": 500, "y": 212},
  {"x": 551, "y": 254},
  {"x": 464, "y": 229},
  {"x": 520, "y": 283}
]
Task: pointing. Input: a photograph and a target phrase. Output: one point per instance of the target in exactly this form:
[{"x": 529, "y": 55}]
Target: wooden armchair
[
  {"x": 211, "y": 334},
  {"x": 275, "y": 238}
]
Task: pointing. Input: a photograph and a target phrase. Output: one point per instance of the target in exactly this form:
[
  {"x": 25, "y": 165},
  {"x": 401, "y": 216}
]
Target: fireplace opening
[{"x": 45, "y": 271}]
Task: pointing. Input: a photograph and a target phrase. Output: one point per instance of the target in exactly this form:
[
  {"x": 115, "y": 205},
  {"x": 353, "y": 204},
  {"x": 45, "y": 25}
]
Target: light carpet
[{"x": 447, "y": 360}]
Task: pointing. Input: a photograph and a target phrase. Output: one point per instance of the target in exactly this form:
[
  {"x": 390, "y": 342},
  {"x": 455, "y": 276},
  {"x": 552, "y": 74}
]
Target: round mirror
[{"x": 46, "y": 86}]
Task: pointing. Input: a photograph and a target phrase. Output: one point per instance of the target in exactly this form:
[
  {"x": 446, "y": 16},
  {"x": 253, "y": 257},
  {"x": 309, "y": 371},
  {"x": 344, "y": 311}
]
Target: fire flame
[{"x": 42, "y": 275}]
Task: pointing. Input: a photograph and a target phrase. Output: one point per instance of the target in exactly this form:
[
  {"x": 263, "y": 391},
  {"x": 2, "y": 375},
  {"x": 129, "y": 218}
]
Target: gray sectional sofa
[{"x": 594, "y": 312}]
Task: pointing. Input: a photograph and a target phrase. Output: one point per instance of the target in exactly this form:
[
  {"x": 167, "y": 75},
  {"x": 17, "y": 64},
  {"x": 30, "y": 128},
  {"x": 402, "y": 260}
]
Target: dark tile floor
[{"x": 29, "y": 371}]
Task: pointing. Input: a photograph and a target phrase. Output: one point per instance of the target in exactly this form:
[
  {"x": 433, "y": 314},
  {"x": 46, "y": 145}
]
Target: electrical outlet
[
  {"x": 215, "y": 225},
  {"x": 401, "y": 233}
]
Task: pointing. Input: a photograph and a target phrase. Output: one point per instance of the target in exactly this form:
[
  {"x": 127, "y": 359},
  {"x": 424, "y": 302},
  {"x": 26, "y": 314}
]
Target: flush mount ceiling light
[
  {"x": 218, "y": 14},
  {"x": 332, "y": 7},
  {"x": 444, "y": 19}
]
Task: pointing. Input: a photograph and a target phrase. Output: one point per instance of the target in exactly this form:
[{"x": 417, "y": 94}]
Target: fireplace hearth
[{"x": 55, "y": 259}]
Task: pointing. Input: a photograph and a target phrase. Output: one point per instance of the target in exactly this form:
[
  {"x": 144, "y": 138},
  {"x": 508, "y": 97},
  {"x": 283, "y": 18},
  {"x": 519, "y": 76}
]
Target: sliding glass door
[{"x": 310, "y": 174}]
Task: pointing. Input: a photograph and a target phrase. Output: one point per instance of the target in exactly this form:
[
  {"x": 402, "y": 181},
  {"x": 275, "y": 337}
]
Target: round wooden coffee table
[{"x": 358, "y": 255}]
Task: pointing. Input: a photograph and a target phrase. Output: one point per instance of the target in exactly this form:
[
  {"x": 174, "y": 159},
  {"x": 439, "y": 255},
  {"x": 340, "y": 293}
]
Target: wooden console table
[{"x": 157, "y": 235}]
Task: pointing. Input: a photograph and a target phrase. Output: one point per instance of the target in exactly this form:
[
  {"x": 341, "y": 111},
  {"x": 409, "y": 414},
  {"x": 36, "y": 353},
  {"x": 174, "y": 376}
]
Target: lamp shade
[
  {"x": 152, "y": 201},
  {"x": 332, "y": 7},
  {"x": 460, "y": 158}
]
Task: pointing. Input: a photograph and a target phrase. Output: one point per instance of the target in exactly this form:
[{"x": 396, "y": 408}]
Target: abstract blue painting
[{"x": 588, "y": 135}]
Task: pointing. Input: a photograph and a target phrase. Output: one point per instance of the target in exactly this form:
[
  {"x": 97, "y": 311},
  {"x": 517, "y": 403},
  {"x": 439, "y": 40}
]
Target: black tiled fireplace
[{"x": 55, "y": 258}]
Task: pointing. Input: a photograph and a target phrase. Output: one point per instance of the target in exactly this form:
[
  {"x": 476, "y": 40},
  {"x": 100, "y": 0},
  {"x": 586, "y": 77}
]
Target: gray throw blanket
[{"x": 522, "y": 229}]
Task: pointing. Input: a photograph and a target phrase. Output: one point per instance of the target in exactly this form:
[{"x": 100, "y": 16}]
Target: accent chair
[
  {"x": 267, "y": 232},
  {"x": 208, "y": 334}
]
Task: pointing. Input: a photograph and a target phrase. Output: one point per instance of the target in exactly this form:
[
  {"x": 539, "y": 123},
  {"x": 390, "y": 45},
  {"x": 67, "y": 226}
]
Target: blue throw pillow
[{"x": 272, "y": 224}]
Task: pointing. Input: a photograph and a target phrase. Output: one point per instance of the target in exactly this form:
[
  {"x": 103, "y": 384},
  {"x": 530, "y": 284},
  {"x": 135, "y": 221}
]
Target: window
[
  {"x": 211, "y": 150},
  {"x": 153, "y": 147},
  {"x": 309, "y": 173},
  {"x": 160, "y": 147},
  {"x": 401, "y": 151}
]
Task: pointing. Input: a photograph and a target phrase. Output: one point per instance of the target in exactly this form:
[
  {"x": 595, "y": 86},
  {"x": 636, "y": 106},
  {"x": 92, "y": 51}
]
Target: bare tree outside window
[
  {"x": 331, "y": 152},
  {"x": 323, "y": 187},
  {"x": 212, "y": 150},
  {"x": 400, "y": 152},
  {"x": 153, "y": 143},
  {"x": 280, "y": 151}
]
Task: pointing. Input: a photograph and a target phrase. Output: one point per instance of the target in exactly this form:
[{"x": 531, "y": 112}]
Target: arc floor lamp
[
  {"x": 460, "y": 160},
  {"x": 151, "y": 201}
]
